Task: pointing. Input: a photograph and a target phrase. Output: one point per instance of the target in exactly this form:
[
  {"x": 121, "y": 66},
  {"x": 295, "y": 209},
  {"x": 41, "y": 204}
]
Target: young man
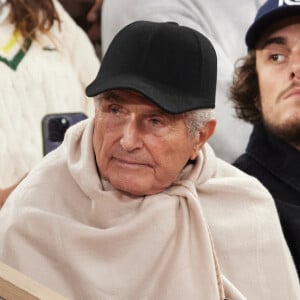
[
  {"x": 134, "y": 204},
  {"x": 266, "y": 92}
]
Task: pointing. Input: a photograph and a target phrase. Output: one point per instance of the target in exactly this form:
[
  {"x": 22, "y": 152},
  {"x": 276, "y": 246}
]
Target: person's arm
[{"x": 5, "y": 192}]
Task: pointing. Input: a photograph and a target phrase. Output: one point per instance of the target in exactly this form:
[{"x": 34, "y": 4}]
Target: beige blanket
[{"x": 214, "y": 233}]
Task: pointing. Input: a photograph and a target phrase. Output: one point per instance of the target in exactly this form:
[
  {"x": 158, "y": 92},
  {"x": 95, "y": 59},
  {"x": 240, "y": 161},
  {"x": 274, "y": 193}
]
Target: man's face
[
  {"x": 278, "y": 69},
  {"x": 139, "y": 148}
]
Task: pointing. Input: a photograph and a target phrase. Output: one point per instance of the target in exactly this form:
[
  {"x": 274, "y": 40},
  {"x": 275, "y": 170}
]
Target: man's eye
[
  {"x": 155, "y": 121},
  {"x": 114, "y": 110},
  {"x": 277, "y": 57}
]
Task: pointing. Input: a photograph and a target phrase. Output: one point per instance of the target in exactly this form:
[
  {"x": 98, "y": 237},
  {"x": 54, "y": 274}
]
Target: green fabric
[{"x": 13, "y": 63}]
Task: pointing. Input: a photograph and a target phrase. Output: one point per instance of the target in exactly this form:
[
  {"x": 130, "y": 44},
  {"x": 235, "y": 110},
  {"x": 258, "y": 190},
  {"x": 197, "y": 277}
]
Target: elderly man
[
  {"x": 266, "y": 91},
  {"x": 224, "y": 23},
  {"x": 134, "y": 204}
]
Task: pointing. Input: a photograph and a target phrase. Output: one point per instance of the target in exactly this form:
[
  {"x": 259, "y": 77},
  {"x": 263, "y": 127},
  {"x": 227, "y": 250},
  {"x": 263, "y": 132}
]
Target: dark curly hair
[
  {"x": 30, "y": 16},
  {"x": 244, "y": 91}
]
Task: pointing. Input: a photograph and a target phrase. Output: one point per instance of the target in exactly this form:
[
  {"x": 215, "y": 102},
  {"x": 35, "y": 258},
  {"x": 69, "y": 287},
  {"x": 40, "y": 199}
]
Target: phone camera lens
[{"x": 57, "y": 128}]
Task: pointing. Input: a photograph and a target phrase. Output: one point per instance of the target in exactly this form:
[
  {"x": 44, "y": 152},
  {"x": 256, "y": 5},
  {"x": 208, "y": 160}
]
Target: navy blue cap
[
  {"x": 173, "y": 66},
  {"x": 272, "y": 10}
]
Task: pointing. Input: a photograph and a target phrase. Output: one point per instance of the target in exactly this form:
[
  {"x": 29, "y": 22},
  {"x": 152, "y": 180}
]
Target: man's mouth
[
  {"x": 295, "y": 92},
  {"x": 129, "y": 163}
]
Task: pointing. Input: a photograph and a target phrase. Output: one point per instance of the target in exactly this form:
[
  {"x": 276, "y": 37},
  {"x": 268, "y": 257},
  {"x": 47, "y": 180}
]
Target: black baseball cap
[
  {"x": 173, "y": 66},
  {"x": 269, "y": 12}
]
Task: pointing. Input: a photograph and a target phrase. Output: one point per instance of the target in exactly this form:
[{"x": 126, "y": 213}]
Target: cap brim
[{"x": 175, "y": 103}]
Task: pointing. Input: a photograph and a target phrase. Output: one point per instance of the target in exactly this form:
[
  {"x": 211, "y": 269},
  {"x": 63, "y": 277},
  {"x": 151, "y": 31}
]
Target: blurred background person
[
  {"x": 223, "y": 22},
  {"x": 46, "y": 61},
  {"x": 87, "y": 14}
]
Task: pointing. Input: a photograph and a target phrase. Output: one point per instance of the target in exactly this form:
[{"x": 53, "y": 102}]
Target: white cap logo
[{"x": 288, "y": 2}]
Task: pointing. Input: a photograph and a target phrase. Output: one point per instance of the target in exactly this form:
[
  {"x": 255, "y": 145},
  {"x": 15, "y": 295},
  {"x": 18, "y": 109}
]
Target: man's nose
[
  {"x": 295, "y": 66},
  {"x": 131, "y": 139}
]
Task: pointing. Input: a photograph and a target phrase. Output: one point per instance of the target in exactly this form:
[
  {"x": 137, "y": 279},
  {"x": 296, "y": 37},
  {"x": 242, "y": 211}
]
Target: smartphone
[{"x": 54, "y": 127}]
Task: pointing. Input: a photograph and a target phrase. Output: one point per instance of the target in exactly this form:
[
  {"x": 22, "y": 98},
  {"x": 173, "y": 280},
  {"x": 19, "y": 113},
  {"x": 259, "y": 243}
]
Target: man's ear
[{"x": 203, "y": 135}]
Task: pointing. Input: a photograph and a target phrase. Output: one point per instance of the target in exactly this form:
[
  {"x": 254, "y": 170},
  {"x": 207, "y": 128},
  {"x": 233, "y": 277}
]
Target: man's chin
[
  {"x": 128, "y": 186},
  {"x": 135, "y": 188},
  {"x": 288, "y": 131}
]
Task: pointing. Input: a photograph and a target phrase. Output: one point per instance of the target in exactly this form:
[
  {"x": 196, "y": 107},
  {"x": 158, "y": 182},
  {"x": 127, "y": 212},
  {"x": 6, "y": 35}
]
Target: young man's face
[
  {"x": 139, "y": 148},
  {"x": 278, "y": 69}
]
